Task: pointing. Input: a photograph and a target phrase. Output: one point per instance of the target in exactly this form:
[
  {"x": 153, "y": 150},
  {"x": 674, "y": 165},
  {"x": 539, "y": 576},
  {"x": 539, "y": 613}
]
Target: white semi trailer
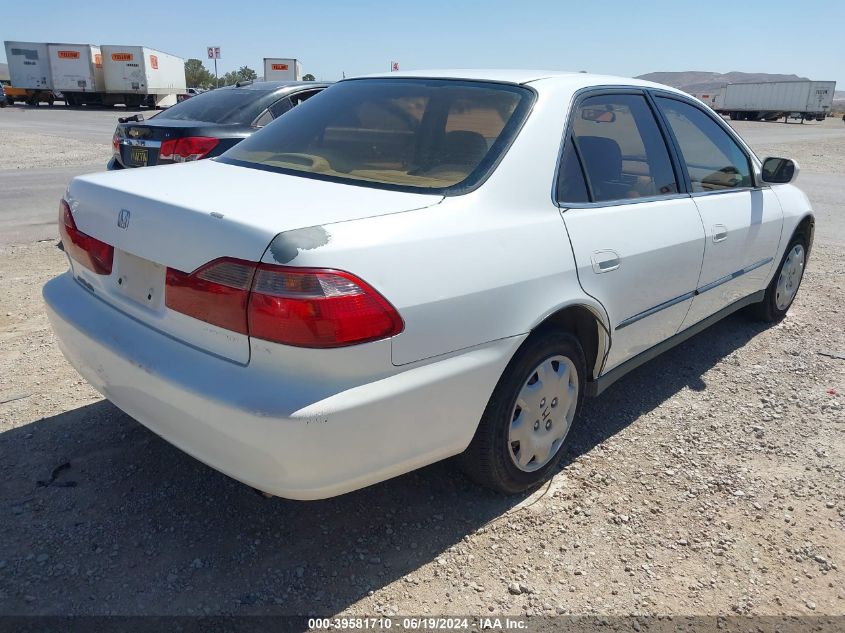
[
  {"x": 713, "y": 98},
  {"x": 85, "y": 73},
  {"x": 77, "y": 72},
  {"x": 29, "y": 73},
  {"x": 29, "y": 65},
  {"x": 812, "y": 100},
  {"x": 137, "y": 75},
  {"x": 282, "y": 69}
]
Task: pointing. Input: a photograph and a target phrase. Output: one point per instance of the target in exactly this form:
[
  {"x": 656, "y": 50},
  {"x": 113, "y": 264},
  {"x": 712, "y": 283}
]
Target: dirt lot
[{"x": 710, "y": 481}]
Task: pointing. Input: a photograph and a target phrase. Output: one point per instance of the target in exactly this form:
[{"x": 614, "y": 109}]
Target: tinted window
[
  {"x": 299, "y": 97},
  {"x": 571, "y": 186},
  {"x": 264, "y": 119},
  {"x": 621, "y": 148},
  {"x": 224, "y": 105},
  {"x": 418, "y": 133},
  {"x": 280, "y": 107},
  {"x": 714, "y": 161}
]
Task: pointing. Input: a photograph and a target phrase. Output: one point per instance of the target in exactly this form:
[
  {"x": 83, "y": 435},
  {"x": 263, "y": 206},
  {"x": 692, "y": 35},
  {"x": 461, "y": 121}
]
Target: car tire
[
  {"x": 538, "y": 397},
  {"x": 783, "y": 288}
]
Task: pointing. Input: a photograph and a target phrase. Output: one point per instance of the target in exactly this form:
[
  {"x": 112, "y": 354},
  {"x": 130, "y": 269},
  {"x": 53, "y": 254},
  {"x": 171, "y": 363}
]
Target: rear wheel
[
  {"x": 519, "y": 441},
  {"x": 784, "y": 286}
]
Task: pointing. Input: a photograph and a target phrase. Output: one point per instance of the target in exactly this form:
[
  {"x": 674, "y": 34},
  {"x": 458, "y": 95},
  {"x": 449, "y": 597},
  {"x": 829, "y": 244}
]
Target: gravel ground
[
  {"x": 709, "y": 481},
  {"x": 53, "y": 151}
]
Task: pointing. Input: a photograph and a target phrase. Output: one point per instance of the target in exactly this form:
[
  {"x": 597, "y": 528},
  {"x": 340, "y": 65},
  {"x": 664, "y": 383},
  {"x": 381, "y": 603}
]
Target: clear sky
[{"x": 332, "y": 37}]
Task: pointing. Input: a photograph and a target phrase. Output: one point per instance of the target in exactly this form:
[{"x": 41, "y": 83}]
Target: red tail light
[
  {"x": 303, "y": 307},
  {"x": 185, "y": 149},
  {"x": 309, "y": 307},
  {"x": 216, "y": 293},
  {"x": 91, "y": 253},
  {"x": 115, "y": 144}
]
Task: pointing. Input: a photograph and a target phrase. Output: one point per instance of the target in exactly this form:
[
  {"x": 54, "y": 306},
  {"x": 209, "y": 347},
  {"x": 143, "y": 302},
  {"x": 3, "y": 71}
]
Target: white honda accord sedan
[{"x": 413, "y": 266}]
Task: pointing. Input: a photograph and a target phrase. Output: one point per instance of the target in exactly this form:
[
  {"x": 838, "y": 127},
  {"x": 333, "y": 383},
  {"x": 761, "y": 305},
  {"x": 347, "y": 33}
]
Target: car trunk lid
[{"x": 184, "y": 216}]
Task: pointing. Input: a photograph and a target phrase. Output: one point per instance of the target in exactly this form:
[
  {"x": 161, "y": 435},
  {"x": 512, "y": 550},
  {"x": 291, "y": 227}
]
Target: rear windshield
[
  {"x": 410, "y": 134},
  {"x": 224, "y": 105}
]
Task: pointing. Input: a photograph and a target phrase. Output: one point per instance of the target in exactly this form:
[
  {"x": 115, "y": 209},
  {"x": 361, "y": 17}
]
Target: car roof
[
  {"x": 270, "y": 86},
  {"x": 573, "y": 79}
]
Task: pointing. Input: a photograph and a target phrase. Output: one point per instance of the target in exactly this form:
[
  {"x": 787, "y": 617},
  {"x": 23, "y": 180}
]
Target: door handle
[
  {"x": 720, "y": 232},
  {"x": 605, "y": 261}
]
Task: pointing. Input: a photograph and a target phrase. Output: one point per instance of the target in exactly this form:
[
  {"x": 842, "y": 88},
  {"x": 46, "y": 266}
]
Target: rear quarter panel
[{"x": 459, "y": 275}]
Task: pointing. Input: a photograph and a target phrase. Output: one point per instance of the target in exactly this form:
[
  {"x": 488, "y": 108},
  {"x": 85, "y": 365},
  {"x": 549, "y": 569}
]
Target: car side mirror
[{"x": 779, "y": 171}]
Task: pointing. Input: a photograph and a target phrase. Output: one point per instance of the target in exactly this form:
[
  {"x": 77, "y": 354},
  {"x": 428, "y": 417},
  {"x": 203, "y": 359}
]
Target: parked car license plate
[
  {"x": 139, "y": 156},
  {"x": 140, "y": 279}
]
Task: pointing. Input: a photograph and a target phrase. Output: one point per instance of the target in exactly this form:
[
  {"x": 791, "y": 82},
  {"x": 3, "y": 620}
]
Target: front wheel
[
  {"x": 519, "y": 441},
  {"x": 784, "y": 286}
]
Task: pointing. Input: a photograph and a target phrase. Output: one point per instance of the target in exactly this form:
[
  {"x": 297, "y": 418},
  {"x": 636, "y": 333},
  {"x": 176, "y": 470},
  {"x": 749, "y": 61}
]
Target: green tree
[
  {"x": 229, "y": 79},
  {"x": 309, "y": 77},
  {"x": 244, "y": 73},
  {"x": 247, "y": 74},
  {"x": 196, "y": 75}
]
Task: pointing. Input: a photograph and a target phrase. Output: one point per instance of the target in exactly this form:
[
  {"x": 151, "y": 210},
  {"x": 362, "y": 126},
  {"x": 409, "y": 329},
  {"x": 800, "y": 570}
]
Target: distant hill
[{"x": 701, "y": 81}]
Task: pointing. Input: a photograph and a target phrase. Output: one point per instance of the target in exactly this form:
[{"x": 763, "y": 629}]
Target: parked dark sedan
[{"x": 205, "y": 125}]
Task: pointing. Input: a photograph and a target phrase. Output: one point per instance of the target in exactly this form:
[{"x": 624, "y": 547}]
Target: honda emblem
[{"x": 123, "y": 218}]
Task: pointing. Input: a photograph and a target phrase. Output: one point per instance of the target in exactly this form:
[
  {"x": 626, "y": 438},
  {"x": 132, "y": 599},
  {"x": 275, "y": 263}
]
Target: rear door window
[
  {"x": 300, "y": 97},
  {"x": 264, "y": 119},
  {"x": 622, "y": 152},
  {"x": 280, "y": 107},
  {"x": 571, "y": 186},
  {"x": 715, "y": 161}
]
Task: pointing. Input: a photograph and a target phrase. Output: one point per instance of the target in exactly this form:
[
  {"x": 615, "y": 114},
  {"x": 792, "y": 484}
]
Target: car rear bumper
[{"x": 241, "y": 421}]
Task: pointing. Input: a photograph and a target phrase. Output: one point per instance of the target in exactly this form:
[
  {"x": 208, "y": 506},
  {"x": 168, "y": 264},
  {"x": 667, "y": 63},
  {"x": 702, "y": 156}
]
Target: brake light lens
[
  {"x": 190, "y": 148},
  {"x": 115, "y": 144},
  {"x": 302, "y": 307},
  {"x": 317, "y": 308},
  {"x": 88, "y": 251},
  {"x": 216, "y": 293}
]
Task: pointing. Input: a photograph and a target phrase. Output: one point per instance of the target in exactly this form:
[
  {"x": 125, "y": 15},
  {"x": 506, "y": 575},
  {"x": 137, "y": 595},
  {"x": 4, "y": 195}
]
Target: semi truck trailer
[
  {"x": 89, "y": 74},
  {"x": 810, "y": 100},
  {"x": 29, "y": 73},
  {"x": 138, "y": 75},
  {"x": 712, "y": 98},
  {"x": 77, "y": 72},
  {"x": 29, "y": 65},
  {"x": 282, "y": 69}
]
